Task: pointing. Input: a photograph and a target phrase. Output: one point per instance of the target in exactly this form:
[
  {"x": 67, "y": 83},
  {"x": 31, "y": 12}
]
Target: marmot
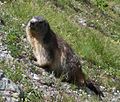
[{"x": 54, "y": 54}]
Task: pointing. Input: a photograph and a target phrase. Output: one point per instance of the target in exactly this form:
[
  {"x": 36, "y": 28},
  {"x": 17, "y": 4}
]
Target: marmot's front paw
[
  {"x": 35, "y": 63},
  {"x": 32, "y": 58}
]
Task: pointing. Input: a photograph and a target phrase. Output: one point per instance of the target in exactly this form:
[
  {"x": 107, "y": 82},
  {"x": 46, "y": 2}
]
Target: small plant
[{"x": 102, "y": 4}]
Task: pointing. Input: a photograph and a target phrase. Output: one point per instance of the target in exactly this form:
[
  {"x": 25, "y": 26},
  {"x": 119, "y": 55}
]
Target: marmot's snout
[{"x": 32, "y": 25}]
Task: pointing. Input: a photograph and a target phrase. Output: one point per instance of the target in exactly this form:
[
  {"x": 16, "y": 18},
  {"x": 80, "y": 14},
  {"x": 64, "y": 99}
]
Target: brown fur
[{"x": 54, "y": 53}]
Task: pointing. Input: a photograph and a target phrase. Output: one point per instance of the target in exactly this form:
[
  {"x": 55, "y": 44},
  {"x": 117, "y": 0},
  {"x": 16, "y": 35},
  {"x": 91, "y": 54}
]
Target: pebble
[
  {"x": 35, "y": 76},
  {"x": 81, "y": 21}
]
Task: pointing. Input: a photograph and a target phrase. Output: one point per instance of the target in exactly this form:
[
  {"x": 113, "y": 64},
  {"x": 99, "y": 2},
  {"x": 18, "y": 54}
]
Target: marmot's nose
[{"x": 32, "y": 23}]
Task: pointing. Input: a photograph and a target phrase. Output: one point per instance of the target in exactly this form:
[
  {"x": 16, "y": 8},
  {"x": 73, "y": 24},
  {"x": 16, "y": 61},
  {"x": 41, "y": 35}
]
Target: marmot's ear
[{"x": 47, "y": 25}]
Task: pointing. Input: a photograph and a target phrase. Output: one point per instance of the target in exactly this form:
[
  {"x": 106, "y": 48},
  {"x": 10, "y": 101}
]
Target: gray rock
[
  {"x": 9, "y": 91},
  {"x": 116, "y": 9}
]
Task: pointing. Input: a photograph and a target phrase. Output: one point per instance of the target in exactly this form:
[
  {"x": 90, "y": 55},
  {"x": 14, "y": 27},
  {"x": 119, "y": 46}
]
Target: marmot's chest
[{"x": 41, "y": 53}]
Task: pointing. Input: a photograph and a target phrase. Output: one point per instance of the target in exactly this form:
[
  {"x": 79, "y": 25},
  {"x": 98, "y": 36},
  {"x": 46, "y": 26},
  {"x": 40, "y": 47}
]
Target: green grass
[{"x": 99, "y": 45}]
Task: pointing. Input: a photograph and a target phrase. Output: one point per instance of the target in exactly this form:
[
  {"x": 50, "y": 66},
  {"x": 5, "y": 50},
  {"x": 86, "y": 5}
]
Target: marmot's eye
[{"x": 41, "y": 22}]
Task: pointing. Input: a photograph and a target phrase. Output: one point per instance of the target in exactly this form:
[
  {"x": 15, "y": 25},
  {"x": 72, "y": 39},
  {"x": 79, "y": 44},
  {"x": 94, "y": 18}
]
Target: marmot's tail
[{"x": 91, "y": 85}]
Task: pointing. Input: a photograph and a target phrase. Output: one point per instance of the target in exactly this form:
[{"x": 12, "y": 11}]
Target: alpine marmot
[{"x": 54, "y": 54}]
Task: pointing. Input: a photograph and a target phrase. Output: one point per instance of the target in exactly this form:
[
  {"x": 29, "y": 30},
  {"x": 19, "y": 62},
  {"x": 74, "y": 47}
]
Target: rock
[
  {"x": 35, "y": 76},
  {"x": 116, "y": 9},
  {"x": 10, "y": 91},
  {"x": 80, "y": 21}
]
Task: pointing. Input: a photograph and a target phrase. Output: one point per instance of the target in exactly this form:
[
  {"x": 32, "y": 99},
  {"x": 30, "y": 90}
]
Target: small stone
[
  {"x": 113, "y": 100},
  {"x": 15, "y": 95},
  {"x": 23, "y": 25},
  {"x": 113, "y": 89},
  {"x": 102, "y": 87},
  {"x": 116, "y": 9},
  {"x": 89, "y": 95},
  {"x": 118, "y": 91},
  {"x": 36, "y": 77},
  {"x": 115, "y": 93}
]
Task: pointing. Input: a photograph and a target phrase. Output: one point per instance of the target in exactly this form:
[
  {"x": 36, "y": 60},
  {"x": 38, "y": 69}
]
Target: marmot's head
[{"x": 38, "y": 25}]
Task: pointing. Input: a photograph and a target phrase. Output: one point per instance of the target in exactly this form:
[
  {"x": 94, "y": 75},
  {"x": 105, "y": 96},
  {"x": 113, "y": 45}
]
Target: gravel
[{"x": 4, "y": 54}]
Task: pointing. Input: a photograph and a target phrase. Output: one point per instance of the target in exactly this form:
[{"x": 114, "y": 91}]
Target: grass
[{"x": 99, "y": 45}]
